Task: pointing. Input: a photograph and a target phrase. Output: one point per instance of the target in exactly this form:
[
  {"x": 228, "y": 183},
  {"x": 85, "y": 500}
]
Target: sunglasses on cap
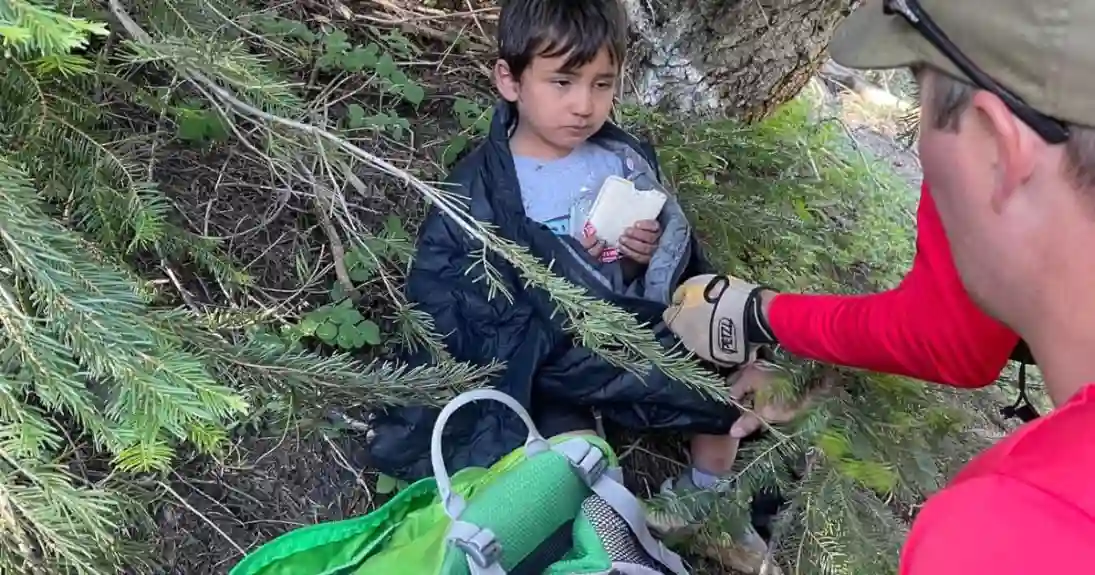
[{"x": 1052, "y": 130}]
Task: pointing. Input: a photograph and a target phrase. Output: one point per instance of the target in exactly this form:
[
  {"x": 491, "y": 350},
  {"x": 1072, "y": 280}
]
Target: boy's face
[{"x": 559, "y": 108}]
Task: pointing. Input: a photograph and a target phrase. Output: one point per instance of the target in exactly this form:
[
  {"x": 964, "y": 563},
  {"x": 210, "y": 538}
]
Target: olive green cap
[{"x": 1041, "y": 50}]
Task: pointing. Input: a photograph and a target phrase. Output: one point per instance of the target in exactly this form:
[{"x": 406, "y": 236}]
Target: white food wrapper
[
  {"x": 579, "y": 212},
  {"x": 619, "y": 205}
]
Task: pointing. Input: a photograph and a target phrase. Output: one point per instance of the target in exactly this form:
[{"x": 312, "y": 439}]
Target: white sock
[{"x": 704, "y": 480}]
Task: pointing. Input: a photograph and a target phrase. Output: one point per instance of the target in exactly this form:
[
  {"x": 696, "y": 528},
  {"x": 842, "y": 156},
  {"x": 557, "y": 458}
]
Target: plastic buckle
[
  {"x": 483, "y": 547},
  {"x": 1024, "y": 412},
  {"x": 592, "y": 466}
]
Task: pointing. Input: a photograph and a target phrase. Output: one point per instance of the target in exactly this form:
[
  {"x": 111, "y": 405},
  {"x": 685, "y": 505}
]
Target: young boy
[{"x": 550, "y": 146}]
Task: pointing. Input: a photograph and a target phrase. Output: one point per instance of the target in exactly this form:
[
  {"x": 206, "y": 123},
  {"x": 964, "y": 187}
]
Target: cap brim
[{"x": 870, "y": 39}]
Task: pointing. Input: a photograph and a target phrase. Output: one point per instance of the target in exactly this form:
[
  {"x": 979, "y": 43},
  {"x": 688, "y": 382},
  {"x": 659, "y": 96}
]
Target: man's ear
[
  {"x": 508, "y": 85},
  {"x": 1014, "y": 143}
]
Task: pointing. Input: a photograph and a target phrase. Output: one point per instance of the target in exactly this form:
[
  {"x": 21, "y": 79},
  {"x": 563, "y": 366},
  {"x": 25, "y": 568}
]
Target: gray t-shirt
[{"x": 550, "y": 189}]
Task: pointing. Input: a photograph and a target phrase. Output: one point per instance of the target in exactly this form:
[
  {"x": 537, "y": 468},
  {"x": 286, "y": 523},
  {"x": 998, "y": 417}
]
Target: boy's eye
[
  {"x": 562, "y": 81},
  {"x": 605, "y": 85}
]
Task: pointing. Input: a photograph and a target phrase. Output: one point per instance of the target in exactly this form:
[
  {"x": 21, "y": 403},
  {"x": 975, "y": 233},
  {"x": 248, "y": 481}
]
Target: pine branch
[
  {"x": 602, "y": 327},
  {"x": 99, "y": 314},
  {"x": 46, "y": 521}
]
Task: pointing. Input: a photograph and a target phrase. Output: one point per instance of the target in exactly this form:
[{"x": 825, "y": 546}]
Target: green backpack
[{"x": 554, "y": 507}]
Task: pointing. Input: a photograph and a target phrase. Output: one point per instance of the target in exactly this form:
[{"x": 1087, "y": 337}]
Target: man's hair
[
  {"x": 950, "y": 97},
  {"x": 578, "y": 29}
]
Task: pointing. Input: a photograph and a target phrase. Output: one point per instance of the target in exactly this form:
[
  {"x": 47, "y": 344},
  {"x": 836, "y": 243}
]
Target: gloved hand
[{"x": 719, "y": 318}]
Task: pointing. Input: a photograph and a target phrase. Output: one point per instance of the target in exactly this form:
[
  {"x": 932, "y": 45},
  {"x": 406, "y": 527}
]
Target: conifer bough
[{"x": 600, "y": 326}]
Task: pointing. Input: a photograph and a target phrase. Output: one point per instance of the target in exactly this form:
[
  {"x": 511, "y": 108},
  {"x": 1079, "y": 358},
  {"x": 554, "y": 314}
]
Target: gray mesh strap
[
  {"x": 592, "y": 466},
  {"x": 535, "y": 443}
]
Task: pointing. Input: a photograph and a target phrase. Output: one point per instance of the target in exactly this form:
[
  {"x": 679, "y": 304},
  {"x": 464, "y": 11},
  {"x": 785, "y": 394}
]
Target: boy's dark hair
[{"x": 552, "y": 28}]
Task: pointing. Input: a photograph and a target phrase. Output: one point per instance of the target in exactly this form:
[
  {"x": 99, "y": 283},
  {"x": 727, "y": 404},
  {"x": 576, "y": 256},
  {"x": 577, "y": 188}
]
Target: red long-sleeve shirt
[
  {"x": 1024, "y": 506},
  {"x": 927, "y": 327}
]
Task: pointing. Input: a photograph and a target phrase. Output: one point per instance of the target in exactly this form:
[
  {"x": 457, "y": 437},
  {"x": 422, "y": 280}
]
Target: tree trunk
[{"x": 736, "y": 57}]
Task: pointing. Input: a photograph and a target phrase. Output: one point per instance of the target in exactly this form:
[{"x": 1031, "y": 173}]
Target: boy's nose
[{"x": 583, "y": 103}]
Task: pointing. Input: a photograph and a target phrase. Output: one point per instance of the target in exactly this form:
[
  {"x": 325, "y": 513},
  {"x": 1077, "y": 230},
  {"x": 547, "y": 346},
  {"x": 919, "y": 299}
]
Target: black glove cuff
[{"x": 757, "y": 327}]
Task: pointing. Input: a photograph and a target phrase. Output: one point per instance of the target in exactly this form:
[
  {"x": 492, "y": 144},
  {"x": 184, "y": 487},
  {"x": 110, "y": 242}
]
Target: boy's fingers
[
  {"x": 637, "y": 255},
  {"x": 642, "y": 235},
  {"x": 746, "y": 382},
  {"x": 637, "y": 246},
  {"x": 745, "y": 426},
  {"x": 648, "y": 225}
]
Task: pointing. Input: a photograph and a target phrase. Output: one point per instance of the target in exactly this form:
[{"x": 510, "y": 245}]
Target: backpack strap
[
  {"x": 591, "y": 465},
  {"x": 1022, "y": 409},
  {"x": 535, "y": 443},
  {"x": 480, "y": 545}
]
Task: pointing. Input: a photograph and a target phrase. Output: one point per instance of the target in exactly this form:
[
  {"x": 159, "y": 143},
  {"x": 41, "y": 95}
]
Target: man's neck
[
  {"x": 1066, "y": 361},
  {"x": 525, "y": 143},
  {"x": 1059, "y": 317}
]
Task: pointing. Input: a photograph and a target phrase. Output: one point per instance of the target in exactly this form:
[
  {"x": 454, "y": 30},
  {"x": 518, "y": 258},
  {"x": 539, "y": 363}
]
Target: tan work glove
[{"x": 719, "y": 319}]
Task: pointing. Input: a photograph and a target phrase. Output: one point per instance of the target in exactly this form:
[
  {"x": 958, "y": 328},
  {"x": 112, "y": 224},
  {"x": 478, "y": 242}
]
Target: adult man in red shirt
[{"x": 1008, "y": 143}]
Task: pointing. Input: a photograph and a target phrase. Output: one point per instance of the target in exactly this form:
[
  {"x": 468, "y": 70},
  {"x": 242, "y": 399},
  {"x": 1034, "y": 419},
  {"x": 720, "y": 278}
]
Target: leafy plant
[
  {"x": 384, "y": 121},
  {"x": 198, "y": 124},
  {"x": 110, "y": 366},
  {"x": 341, "y": 324},
  {"x": 386, "y": 484},
  {"x": 474, "y": 122},
  {"x": 339, "y": 54}
]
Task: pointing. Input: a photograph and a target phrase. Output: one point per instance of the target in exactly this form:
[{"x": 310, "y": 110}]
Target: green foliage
[
  {"x": 196, "y": 123},
  {"x": 791, "y": 203},
  {"x": 341, "y": 324},
  {"x": 808, "y": 211},
  {"x": 474, "y": 122},
  {"x": 35, "y": 34},
  {"x": 386, "y": 484},
  {"x": 102, "y": 381},
  {"x": 357, "y": 118}
]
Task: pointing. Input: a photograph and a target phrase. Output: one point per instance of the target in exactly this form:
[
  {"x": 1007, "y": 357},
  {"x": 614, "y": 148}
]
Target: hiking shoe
[
  {"x": 679, "y": 521},
  {"x": 747, "y": 553}
]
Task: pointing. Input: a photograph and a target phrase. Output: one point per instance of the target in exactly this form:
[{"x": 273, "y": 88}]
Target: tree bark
[{"x": 736, "y": 57}]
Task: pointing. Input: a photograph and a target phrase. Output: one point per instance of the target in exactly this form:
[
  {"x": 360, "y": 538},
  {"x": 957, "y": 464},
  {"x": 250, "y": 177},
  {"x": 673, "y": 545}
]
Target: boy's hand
[
  {"x": 641, "y": 240},
  {"x": 592, "y": 245},
  {"x": 750, "y": 386}
]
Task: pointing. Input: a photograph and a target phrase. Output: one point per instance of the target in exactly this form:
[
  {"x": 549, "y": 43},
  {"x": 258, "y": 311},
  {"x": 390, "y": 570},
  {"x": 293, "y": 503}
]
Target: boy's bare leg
[{"x": 713, "y": 458}]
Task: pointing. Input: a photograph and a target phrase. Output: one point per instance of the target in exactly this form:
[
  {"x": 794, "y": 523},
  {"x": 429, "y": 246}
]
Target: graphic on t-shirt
[
  {"x": 560, "y": 226},
  {"x": 555, "y": 192}
]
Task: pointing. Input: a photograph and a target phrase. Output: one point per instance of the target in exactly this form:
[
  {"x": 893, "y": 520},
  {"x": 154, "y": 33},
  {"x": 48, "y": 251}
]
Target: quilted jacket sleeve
[
  {"x": 443, "y": 283},
  {"x": 476, "y": 329}
]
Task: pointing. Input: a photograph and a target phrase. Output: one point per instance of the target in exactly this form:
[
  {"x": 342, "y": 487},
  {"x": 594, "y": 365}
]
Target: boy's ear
[{"x": 507, "y": 85}]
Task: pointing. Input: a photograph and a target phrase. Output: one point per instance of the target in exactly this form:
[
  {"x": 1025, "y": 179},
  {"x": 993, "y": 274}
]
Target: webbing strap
[
  {"x": 592, "y": 466},
  {"x": 1022, "y": 409},
  {"x": 479, "y": 545}
]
